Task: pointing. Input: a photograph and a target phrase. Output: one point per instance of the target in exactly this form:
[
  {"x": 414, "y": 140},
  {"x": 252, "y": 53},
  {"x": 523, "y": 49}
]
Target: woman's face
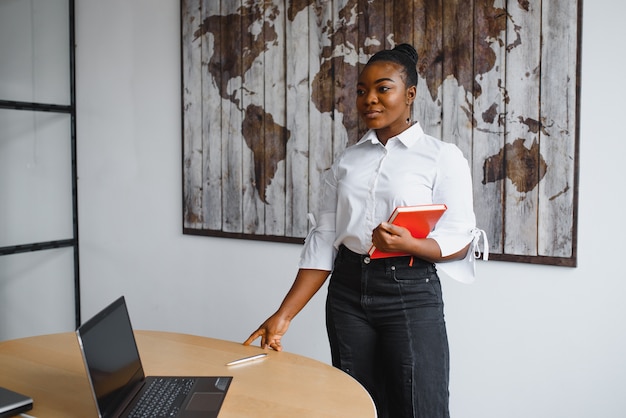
[{"x": 382, "y": 99}]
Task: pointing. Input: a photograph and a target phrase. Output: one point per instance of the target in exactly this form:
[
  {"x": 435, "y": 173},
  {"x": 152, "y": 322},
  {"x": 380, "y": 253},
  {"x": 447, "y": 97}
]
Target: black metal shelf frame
[{"x": 71, "y": 110}]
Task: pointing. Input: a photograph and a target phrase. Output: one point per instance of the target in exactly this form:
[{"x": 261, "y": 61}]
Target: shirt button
[{"x": 366, "y": 260}]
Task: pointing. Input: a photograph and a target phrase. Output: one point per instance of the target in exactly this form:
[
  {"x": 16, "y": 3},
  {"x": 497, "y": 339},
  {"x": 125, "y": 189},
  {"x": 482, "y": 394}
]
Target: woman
[{"x": 385, "y": 316}]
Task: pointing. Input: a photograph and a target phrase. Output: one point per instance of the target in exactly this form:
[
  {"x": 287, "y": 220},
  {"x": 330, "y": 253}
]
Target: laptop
[
  {"x": 13, "y": 403},
  {"x": 117, "y": 379}
]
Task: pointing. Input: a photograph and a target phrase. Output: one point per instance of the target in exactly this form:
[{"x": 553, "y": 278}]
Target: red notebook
[{"x": 419, "y": 219}]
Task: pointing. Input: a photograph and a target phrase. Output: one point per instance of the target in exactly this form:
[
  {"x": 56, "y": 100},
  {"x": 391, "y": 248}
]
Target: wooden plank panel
[
  {"x": 252, "y": 104},
  {"x": 521, "y": 154},
  {"x": 322, "y": 93},
  {"x": 400, "y": 18},
  {"x": 429, "y": 45},
  {"x": 365, "y": 47},
  {"x": 274, "y": 128},
  {"x": 211, "y": 117},
  {"x": 489, "y": 110},
  {"x": 458, "y": 84},
  {"x": 297, "y": 123},
  {"x": 389, "y": 40},
  {"x": 558, "y": 127},
  {"x": 345, "y": 74},
  {"x": 232, "y": 117},
  {"x": 192, "y": 114}
]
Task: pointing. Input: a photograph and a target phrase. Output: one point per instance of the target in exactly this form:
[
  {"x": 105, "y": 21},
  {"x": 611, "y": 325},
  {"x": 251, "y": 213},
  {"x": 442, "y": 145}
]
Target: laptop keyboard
[{"x": 162, "y": 398}]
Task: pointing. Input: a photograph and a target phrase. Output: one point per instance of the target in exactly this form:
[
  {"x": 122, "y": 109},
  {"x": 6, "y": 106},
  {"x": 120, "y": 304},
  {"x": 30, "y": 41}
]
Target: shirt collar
[{"x": 408, "y": 137}]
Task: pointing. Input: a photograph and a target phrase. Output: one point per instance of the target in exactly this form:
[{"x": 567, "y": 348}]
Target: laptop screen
[{"x": 111, "y": 356}]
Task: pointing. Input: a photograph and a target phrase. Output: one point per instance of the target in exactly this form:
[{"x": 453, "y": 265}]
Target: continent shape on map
[
  {"x": 517, "y": 163},
  {"x": 236, "y": 65}
]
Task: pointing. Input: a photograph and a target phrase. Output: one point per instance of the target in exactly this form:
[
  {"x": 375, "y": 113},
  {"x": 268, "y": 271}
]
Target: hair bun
[{"x": 407, "y": 50}]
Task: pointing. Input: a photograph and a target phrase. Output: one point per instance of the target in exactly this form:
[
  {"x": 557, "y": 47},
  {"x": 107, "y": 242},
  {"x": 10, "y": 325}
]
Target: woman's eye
[
  {"x": 360, "y": 92},
  {"x": 383, "y": 89}
]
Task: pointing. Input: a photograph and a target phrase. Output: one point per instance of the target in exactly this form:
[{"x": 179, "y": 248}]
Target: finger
[
  {"x": 387, "y": 227},
  {"x": 391, "y": 228},
  {"x": 276, "y": 345},
  {"x": 256, "y": 334}
]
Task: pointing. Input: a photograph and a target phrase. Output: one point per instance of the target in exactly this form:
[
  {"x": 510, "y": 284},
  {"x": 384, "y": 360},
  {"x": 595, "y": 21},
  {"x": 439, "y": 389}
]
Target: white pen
[{"x": 246, "y": 359}]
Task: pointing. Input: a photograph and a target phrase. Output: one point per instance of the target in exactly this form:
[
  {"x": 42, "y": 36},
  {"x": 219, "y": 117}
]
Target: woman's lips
[{"x": 370, "y": 114}]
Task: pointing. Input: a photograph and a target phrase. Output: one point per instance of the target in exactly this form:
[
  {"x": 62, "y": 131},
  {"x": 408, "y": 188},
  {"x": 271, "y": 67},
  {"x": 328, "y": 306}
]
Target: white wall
[{"x": 526, "y": 340}]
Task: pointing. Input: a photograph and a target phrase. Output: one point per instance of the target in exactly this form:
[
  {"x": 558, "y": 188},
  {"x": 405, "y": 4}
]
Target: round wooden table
[{"x": 50, "y": 369}]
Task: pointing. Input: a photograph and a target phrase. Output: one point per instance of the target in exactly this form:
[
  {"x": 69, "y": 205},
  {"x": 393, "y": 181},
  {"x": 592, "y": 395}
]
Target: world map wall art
[{"x": 268, "y": 90}]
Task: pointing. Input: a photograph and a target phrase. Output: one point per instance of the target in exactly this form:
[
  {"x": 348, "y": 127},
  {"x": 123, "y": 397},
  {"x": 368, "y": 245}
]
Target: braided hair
[{"x": 405, "y": 55}]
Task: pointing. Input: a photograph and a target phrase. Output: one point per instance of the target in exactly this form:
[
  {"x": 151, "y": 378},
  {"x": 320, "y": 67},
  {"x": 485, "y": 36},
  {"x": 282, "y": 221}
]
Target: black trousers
[{"x": 386, "y": 328}]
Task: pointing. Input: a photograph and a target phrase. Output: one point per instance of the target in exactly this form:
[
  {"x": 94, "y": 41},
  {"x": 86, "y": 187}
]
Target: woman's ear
[{"x": 411, "y": 93}]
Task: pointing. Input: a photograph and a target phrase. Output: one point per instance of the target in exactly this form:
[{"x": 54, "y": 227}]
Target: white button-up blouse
[{"x": 369, "y": 180}]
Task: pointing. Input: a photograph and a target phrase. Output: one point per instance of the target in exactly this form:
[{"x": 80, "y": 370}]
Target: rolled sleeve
[
  {"x": 453, "y": 187},
  {"x": 319, "y": 251},
  {"x": 464, "y": 270},
  {"x": 457, "y": 227}
]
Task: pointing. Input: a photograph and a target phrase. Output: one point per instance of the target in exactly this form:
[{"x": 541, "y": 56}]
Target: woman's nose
[{"x": 371, "y": 97}]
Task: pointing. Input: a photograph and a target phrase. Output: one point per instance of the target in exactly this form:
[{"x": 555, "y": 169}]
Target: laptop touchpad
[{"x": 205, "y": 401}]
